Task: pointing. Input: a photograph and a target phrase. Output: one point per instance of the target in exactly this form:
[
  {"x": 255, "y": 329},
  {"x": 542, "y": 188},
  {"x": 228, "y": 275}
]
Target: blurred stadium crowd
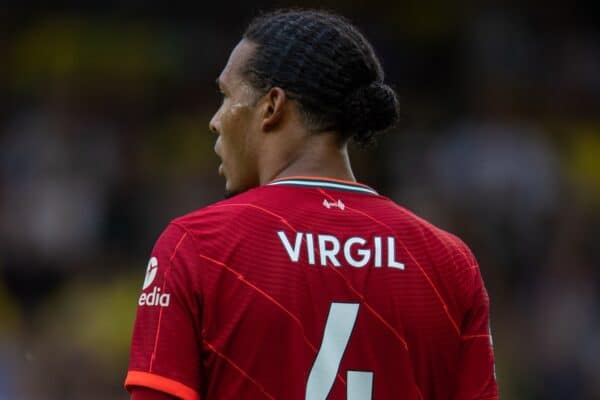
[{"x": 104, "y": 139}]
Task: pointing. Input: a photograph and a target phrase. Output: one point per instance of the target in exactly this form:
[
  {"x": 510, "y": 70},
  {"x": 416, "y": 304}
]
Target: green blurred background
[{"x": 104, "y": 108}]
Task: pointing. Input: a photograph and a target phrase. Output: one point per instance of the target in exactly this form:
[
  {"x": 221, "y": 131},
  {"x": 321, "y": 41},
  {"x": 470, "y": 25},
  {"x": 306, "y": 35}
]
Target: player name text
[{"x": 329, "y": 250}]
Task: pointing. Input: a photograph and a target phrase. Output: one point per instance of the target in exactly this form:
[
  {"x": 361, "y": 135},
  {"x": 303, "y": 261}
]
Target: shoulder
[
  {"x": 441, "y": 244},
  {"x": 225, "y": 219},
  {"x": 446, "y": 258}
]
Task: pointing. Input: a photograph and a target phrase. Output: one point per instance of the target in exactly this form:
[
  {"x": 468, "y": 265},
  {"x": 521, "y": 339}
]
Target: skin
[{"x": 262, "y": 138}]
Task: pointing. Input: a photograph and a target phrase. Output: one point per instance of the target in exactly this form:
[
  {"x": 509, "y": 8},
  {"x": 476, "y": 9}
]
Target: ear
[{"x": 273, "y": 108}]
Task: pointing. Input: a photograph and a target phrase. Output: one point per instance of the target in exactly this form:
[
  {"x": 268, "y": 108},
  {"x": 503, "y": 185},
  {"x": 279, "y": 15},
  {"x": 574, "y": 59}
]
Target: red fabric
[
  {"x": 136, "y": 379},
  {"x": 142, "y": 393},
  {"x": 246, "y": 320}
]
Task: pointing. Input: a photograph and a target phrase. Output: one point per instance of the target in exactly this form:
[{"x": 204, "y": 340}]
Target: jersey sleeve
[
  {"x": 142, "y": 393},
  {"x": 165, "y": 349},
  {"x": 476, "y": 373}
]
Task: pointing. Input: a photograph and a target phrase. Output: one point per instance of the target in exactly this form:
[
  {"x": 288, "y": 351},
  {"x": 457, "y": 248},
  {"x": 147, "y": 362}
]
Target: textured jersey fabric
[{"x": 312, "y": 288}]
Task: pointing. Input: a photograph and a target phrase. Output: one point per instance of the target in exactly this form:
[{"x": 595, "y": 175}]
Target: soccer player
[{"x": 305, "y": 284}]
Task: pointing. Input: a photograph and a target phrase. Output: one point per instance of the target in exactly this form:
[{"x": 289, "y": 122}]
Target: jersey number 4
[{"x": 338, "y": 329}]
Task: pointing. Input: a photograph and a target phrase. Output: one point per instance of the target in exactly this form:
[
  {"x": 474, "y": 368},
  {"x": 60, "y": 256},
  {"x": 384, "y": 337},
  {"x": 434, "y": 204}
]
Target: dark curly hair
[{"x": 325, "y": 64}]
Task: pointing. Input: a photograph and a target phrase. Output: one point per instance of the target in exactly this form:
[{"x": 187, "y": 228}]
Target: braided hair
[{"x": 325, "y": 64}]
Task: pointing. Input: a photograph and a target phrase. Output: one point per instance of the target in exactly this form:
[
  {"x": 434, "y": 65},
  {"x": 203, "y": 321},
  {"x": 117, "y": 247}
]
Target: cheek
[
  {"x": 245, "y": 151},
  {"x": 229, "y": 119},
  {"x": 234, "y": 143},
  {"x": 227, "y": 129}
]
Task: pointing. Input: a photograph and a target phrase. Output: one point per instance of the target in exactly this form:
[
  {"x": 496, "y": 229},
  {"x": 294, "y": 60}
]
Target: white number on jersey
[{"x": 338, "y": 329}]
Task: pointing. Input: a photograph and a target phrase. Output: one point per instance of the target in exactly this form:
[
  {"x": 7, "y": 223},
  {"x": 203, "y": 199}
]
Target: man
[{"x": 305, "y": 284}]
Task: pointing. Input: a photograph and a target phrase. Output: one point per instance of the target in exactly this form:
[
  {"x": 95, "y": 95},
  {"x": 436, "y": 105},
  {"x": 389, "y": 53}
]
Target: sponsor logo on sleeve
[
  {"x": 150, "y": 272},
  {"x": 154, "y": 297}
]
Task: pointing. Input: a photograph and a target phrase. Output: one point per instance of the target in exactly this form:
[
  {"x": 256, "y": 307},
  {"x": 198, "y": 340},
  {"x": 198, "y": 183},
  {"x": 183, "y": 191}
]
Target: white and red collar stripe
[{"x": 325, "y": 183}]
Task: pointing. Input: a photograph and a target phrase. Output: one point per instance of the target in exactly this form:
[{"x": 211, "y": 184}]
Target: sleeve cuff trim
[{"x": 160, "y": 383}]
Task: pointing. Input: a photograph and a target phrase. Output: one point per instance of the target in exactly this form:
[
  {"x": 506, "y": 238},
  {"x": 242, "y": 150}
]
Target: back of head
[{"x": 325, "y": 64}]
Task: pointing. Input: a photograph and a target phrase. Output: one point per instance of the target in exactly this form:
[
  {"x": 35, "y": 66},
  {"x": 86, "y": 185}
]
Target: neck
[{"x": 313, "y": 155}]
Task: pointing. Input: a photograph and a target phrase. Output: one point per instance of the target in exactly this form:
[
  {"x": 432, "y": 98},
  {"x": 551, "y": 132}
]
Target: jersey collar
[{"x": 322, "y": 182}]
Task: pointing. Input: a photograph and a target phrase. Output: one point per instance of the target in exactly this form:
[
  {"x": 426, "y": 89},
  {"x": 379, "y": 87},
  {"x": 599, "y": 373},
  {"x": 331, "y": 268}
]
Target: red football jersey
[{"x": 312, "y": 288}]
